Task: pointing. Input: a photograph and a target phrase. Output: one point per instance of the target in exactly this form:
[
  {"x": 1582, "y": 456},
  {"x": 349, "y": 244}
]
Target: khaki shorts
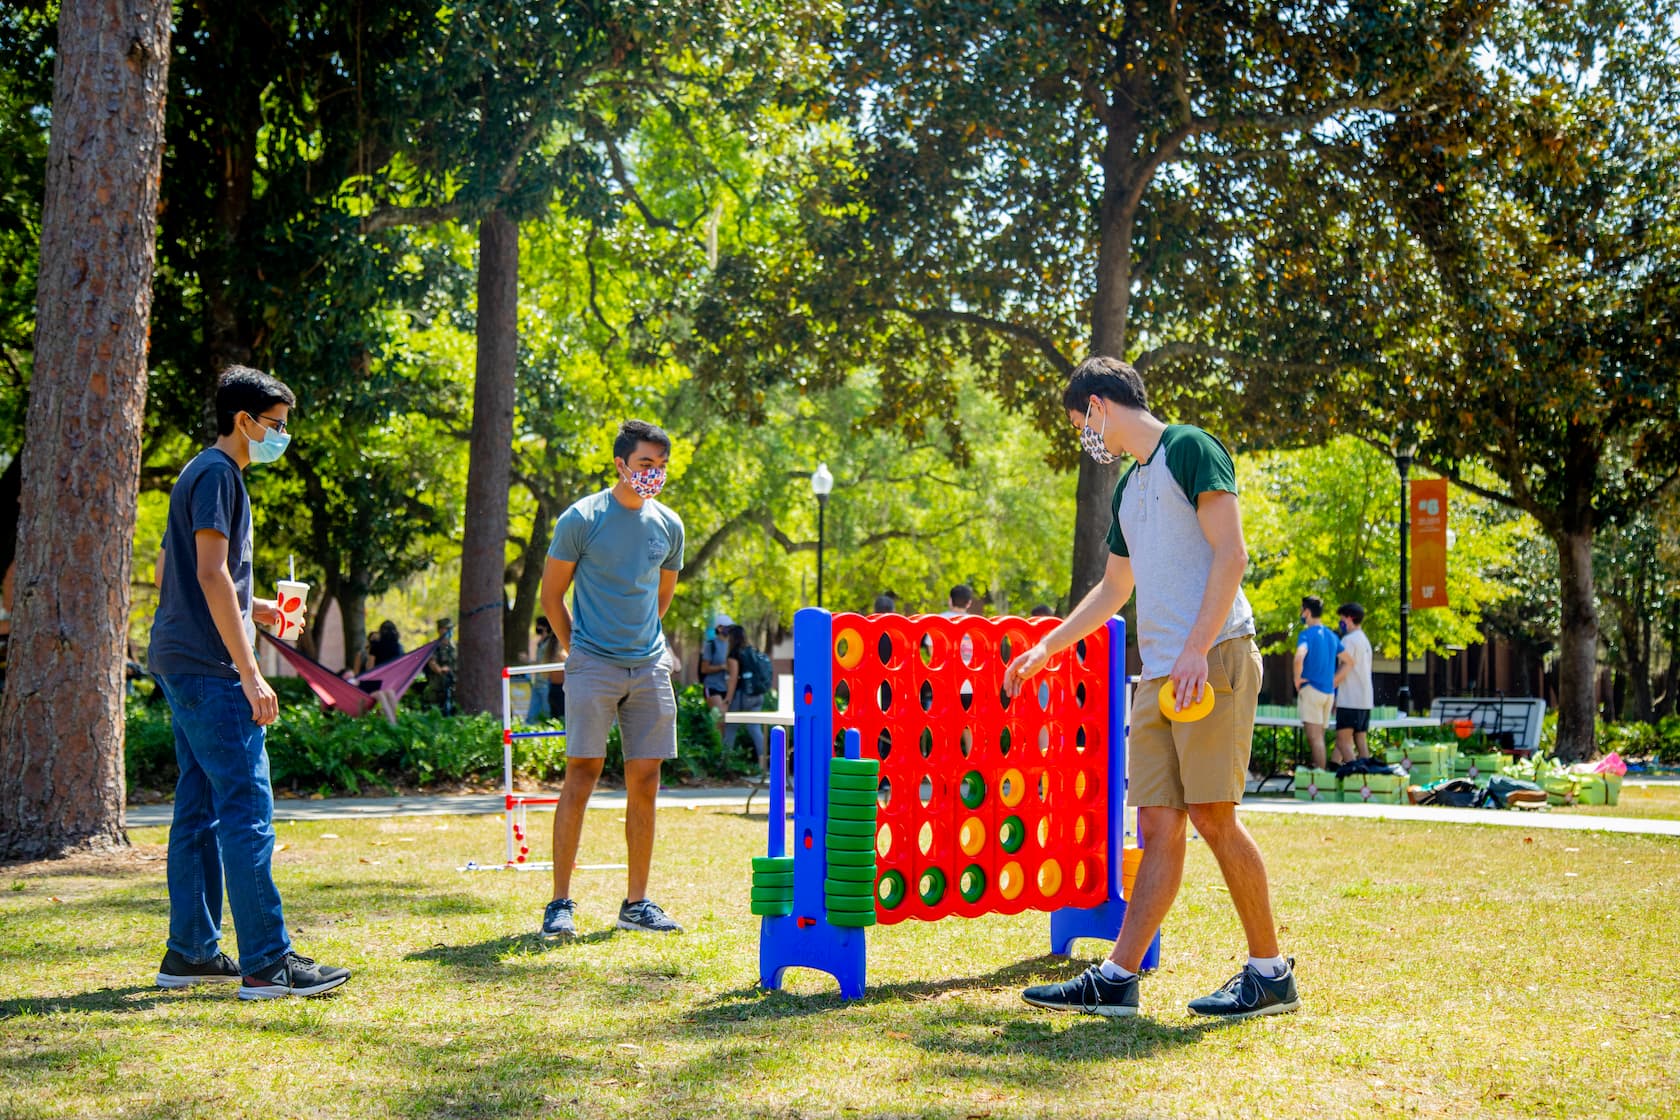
[
  {"x": 1178, "y": 764},
  {"x": 1314, "y": 706}
]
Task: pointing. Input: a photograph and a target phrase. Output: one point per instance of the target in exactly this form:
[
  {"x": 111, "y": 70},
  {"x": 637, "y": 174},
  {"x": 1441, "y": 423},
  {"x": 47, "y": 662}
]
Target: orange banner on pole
[{"x": 1429, "y": 543}]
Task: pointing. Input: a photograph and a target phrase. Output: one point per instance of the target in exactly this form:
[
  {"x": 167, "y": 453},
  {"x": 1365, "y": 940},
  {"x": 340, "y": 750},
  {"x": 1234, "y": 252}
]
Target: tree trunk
[
  {"x": 528, "y": 588},
  {"x": 61, "y": 723},
  {"x": 352, "y": 622},
  {"x": 1110, "y": 308},
  {"x": 1665, "y": 704},
  {"x": 489, "y": 466},
  {"x": 1577, "y": 645}
]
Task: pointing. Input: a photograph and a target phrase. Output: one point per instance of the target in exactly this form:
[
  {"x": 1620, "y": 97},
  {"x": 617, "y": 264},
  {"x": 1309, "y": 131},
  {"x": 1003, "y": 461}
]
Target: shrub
[
  {"x": 311, "y": 750},
  {"x": 1630, "y": 739},
  {"x": 149, "y": 750},
  {"x": 1668, "y": 740}
]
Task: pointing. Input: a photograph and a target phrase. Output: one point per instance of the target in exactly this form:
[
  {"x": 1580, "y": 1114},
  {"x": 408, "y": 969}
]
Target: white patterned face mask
[
  {"x": 648, "y": 483},
  {"x": 1092, "y": 440}
]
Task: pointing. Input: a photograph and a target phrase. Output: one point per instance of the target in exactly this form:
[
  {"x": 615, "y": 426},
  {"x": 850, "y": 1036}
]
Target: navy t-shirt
[{"x": 210, "y": 494}]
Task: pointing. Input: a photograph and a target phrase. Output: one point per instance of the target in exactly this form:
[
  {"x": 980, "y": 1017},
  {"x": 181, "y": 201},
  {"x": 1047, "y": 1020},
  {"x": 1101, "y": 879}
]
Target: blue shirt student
[
  {"x": 1323, "y": 648},
  {"x": 615, "y": 591}
]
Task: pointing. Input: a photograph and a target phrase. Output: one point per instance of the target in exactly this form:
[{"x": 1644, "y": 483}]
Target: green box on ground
[
  {"x": 1372, "y": 796},
  {"x": 1381, "y": 783},
  {"x": 1315, "y": 785},
  {"x": 1487, "y": 764}
]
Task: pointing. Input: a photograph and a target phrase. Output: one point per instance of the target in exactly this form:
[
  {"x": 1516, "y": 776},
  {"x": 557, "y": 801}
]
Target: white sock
[
  {"x": 1112, "y": 971},
  {"x": 1269, "y": 967}
]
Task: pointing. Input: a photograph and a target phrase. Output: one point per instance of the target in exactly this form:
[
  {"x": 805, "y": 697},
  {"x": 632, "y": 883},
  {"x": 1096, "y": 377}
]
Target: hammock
[{"x": 339, "y": 694}]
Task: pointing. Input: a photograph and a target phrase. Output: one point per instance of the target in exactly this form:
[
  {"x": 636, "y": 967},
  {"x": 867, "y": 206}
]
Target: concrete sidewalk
[
  {"x": 735, "y": 797},
  {"x": 472, "y": 804}
]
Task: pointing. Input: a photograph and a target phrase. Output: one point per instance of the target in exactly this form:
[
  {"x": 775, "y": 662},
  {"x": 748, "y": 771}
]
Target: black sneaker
[
  {"x": 1248, "y": 994},
  {"x": 177, "y": 971},
  {"x": 293, "y": 975},
  {"x": 559, "y": 920},
  {"x": 646, "y": 915},
  {"x": 1090, "y": 992}
]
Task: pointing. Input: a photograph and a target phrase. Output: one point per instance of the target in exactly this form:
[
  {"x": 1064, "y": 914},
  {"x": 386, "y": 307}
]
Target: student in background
[
  {"x": 1315, "y": 674},
  {"x": 1355, "y": 695}
]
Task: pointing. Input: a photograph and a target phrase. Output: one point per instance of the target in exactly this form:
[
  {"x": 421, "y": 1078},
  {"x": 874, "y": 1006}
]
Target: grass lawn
[
  {"x": 1447, "y": 971},
  {"x": 1657, "y": 801}
]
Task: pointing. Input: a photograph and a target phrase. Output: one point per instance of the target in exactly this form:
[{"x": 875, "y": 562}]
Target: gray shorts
[{"x": 640, "y": 700}]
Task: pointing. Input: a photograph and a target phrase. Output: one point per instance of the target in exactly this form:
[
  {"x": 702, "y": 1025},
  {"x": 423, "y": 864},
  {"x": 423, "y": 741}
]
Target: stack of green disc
[
  {"x": 849, "y": 889},
  {"x": 772, "y": 885}
]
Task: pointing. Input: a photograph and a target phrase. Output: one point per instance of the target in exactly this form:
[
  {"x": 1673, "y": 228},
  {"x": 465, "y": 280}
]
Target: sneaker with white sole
[
  {"x": 647, "y": 916},
  {"x": 1090, "y": 992},
  {"x": 1248, "y": 994},
  {"x": 177, "y": 971},
  {"x": 293, "y": 975},
  {"x": 560, "y": 920}
]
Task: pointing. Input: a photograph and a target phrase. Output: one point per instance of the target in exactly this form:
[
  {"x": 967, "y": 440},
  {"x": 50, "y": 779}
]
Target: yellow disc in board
[{"x": 1192, "y": 711}]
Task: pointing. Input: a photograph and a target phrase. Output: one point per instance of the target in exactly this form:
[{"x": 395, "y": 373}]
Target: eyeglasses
[{"x": 278, "y": 425}]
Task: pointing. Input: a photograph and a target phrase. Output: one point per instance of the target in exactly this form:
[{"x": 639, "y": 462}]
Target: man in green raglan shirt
[{"x": 1177, "y": 538}]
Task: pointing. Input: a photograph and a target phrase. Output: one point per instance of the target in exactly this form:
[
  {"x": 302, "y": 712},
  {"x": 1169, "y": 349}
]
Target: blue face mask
[
  {"x": 1341, "y": 628},
  {"x": 270, "y": 447}
]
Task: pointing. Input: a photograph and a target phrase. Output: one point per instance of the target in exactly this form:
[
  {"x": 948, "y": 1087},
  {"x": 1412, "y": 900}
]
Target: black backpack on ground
[
  {"x": 757, "y": 674},
  {"x": 1459, "y": 793}
]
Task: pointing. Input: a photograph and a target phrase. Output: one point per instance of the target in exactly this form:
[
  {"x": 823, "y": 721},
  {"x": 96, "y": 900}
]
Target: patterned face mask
[
  {"x": 1092, "y": 440},
  {"x": 648, "y": 483}
]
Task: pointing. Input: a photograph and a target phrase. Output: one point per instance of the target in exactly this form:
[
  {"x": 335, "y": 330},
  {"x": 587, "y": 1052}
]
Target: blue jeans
[
  {"x": 223, "y": 827},
  {"x": 538, "y": 707}
]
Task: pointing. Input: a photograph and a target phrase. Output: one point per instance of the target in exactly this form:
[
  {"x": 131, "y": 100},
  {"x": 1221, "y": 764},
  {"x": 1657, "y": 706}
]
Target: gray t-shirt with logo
[
  {"x": 210, "y": 494},
  {"x": 1155, "y": 525},
  {"x": 619, "y": 553}
]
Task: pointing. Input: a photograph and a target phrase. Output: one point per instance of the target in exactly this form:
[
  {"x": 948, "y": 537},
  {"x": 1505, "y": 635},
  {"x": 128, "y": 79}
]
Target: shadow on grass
[
  {"x": 994, "y": 1049},
  {"x": 415, "y": 896},
  {"x": 753, "y": 1002},
  {"x": 496, "y": 951},
  {"x": 134, "y": 998}
]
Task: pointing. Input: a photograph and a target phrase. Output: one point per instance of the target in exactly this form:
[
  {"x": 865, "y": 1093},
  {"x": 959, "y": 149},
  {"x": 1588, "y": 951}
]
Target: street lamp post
[
  {"x": 822, "y": 483},
  {"x": 1404, "y": 449}
]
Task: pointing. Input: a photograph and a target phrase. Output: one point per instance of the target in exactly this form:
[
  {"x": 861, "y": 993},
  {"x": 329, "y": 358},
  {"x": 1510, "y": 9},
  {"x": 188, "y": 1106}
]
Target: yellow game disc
[{"x": 1192, "y": 711}]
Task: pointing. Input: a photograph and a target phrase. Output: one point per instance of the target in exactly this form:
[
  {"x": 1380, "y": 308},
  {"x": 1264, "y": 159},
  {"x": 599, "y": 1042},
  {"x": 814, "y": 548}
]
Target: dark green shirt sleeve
[
  {"x": 1116, "y": 538},
  {"x": 1198, "y": 462}
]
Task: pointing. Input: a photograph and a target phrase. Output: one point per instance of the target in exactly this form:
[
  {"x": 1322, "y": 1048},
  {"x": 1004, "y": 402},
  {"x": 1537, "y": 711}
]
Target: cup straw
[{"x": 291, "y": 564}]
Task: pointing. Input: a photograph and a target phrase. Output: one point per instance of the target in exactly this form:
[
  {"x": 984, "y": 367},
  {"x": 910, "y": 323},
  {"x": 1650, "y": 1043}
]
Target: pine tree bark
[
  {"x": 489, "y": 468},
  {"x": 61, "y": 722}
]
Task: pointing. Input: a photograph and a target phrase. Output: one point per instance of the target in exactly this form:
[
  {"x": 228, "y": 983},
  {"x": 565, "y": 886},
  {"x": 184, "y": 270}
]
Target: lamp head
[{"x": 822, "y": 482}]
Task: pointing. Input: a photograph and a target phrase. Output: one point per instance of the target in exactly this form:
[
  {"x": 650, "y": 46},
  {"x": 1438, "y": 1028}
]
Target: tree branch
[
  {"x": 391, "y": 217},
  {"x": 1174, "y": 351},
  {"x": 1001, "y": 326}
]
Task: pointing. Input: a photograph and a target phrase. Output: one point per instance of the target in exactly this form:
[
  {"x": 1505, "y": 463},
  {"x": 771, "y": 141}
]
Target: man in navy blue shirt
[
  {"x": 219, "y": 703},
  {"x": 1315, "y": 674}
]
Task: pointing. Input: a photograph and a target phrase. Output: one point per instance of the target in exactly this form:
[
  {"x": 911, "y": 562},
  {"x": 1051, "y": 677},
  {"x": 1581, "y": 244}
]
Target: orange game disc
[{"x": 1192, "y": 711}]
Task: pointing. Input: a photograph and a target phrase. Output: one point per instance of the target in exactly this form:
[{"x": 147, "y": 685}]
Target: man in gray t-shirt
[
  {"x": 1176, "y": 538},
  {"x": 618, "y": 552}
]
